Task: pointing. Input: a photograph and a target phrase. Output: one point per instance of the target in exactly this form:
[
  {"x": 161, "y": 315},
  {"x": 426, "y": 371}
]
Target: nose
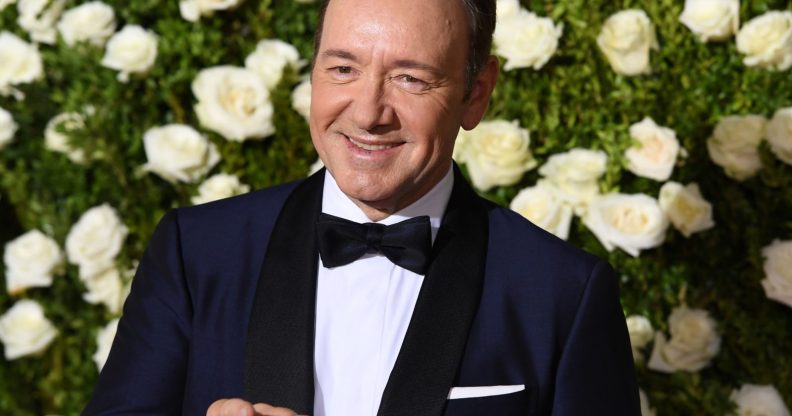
[{"x": 372, "y": 110}]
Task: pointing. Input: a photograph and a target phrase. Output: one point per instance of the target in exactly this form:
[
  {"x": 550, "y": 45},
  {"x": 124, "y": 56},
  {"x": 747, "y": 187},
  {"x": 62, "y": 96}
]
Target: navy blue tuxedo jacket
[{"x": 223, "y": 306}]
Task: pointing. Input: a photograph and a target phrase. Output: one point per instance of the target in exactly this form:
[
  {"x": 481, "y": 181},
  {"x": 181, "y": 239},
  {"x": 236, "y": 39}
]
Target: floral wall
[{"x": 656, "y": 134}]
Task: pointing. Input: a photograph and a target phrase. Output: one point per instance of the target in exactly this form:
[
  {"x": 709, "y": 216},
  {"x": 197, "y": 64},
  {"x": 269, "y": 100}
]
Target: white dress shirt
[{"x": 363, "y": 310}]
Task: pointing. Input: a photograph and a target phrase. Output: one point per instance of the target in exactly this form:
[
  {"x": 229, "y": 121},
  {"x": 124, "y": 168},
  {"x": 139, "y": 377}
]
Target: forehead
[{"x": 430, "y": 27}]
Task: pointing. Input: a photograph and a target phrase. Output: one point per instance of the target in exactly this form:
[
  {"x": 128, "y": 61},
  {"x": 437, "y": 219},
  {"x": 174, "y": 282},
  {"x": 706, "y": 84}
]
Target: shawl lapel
[
  {"x": 279, "y": 350},
  {"x": 435, "y": 341}
]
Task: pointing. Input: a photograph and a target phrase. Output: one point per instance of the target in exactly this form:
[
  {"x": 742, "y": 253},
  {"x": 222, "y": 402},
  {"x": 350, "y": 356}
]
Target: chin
[
  {"x": 371, "y": 195},
  {"x": 369, "y": 192}
]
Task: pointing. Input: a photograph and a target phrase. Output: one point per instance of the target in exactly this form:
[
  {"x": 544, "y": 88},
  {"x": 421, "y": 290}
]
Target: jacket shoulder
[
  {"x": 520, "y": 246},
  {"x": 242, "y": 221},
  {"x": 260, "y": 204}
]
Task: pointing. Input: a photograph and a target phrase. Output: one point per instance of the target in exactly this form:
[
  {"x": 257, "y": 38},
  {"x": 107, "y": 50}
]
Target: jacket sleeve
[
  {"x": 145, "y": 372},
  {"x": 596, "y": 374}
]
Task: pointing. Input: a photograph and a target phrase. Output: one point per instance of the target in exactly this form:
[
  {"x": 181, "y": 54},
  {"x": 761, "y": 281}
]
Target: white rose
[
  {"x": 315, "y": 167},
  {"x": 234, "y": 102},
  {"x": 20, "y": 62},
  {"x": 688, "y": 211},
  {"x": 192, "y": 10},
  {"x": 734, "y": 145},
  {"x": 641, "y": 333},
  {"x": 646, "y": 409},
  {"x": 541, "y": 205},
  {"x": 6, "y": 3},
  {"x": 92, "y": 22},
  {"x": 694, "y": 342},
  {"x": 630, "y": 222},
  {"x": 25, "y": 330},
  {"x": 104, "y": 340},
  {"x": 177, "y": 152},
  {"x": 574, "y": 175},
  {"x": 656, "y": 152},
  {"x": 105, "y": 287},
  {"x": 640, "y": 330},
  {"x": 507, "y": 8},
  {"x": 301, "y": 98},
  {"x": 270, "y": 58},
  {"x": 755, "y": 400},
  {"x": 95, "y": 240},
  {"x": 38, "y": 18},
  {"x": 779, "y": 134},
  {"x": 767, "y": 41},
  {"x": 219, "y": 186},
  {"x": 625, "y": 39},
  {"x": 132, "y": 50},
  {"x": 189, "y": 10},
  {"x": 711, "y": 19},
  {"x": 525, "y": 39},
  {"x": 30, "y": 260},
  {"x": 8, "y": 128},
  {"x": 497, "y": 153},
  {"x": 778, "y": 271},
  {"x": 461, "y": 147},
  {"x": 56, "y": 141}
]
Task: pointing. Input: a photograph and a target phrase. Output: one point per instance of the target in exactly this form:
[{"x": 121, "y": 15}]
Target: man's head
[
  {"x": 392, "y": 83},
  {"x": 481, "y": 25}
]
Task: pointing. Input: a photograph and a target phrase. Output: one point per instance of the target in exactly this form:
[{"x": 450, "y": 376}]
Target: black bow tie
[{"x": 407, "y": 244}]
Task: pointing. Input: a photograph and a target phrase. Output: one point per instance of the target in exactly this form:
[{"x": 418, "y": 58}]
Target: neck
[
  {"x": 373, "y": 213},
  {"x": 379, "y": 210}
]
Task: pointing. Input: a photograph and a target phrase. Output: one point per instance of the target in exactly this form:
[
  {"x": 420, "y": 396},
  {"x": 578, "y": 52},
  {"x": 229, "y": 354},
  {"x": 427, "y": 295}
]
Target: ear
[{"x": 480, "y": 94}]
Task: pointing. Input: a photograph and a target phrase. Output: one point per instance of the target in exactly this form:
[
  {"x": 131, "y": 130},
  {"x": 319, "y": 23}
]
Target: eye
[
  {"x": 411, "y": 83},
  {"x": 342, "y": 72},
  {"x": 409, "y": 79}
]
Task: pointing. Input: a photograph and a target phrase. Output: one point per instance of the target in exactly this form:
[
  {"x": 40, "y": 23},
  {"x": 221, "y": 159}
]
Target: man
[{"x": 262, "y": 305}]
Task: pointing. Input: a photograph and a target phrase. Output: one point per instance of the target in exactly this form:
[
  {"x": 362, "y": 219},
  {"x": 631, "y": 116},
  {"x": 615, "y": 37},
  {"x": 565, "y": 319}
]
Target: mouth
[{"x": 371, "y": 146}]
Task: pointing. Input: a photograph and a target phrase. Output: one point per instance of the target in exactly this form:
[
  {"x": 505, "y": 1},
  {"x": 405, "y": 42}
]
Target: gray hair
[{"x": 481, "y": 25}]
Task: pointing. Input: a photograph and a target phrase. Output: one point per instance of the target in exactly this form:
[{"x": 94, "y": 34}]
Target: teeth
[{"x": 370, "y": 146}]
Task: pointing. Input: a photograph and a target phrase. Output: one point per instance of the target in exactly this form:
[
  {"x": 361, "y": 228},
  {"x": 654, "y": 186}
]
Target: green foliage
[{"x": 576, "y": 100}]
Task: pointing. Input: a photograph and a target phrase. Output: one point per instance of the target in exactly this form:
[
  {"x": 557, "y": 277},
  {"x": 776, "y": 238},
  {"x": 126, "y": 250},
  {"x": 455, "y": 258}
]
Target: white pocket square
[{"x": 483, "y": 391}]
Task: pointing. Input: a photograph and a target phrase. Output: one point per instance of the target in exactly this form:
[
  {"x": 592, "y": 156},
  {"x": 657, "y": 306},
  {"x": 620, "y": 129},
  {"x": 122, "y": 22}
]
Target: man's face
[{"x": 387, "y": 97}]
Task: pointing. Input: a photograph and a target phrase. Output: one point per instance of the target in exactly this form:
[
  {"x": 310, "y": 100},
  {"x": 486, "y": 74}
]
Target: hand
[{"x": 239, "y": 407}]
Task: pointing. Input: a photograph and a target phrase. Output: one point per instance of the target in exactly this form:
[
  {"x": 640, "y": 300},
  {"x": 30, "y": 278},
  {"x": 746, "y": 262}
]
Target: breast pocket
[{"x": 512, "y": 404}]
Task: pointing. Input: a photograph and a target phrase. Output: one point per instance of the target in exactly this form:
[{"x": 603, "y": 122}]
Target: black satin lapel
[
  {"x": 279, "y": 350},
  {"x": 435, "y": 341}
]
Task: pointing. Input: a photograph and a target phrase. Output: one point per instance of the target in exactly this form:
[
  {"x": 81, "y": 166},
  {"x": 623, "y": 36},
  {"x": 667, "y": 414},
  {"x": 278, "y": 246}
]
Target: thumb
[{"x": 263, "y": 409}]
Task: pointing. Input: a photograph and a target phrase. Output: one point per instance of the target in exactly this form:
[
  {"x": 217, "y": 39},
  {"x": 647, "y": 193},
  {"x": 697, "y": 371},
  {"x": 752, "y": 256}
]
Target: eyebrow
[
  {"x": 340, "y": 53},
  {"x": 411, "y": 64},
  {"x": 401, "y": 63}
]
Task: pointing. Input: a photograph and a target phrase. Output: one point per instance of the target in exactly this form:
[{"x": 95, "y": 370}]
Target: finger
[
  {"x": 264, "y": 409},
  {"x": 230, "y": 407}
]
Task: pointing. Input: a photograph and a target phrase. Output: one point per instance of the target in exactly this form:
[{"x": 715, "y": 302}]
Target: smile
[{"x": 370, "y": 147}]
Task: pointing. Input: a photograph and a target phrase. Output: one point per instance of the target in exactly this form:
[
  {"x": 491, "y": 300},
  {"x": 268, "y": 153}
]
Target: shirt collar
[{"x": 432, "y": 204}]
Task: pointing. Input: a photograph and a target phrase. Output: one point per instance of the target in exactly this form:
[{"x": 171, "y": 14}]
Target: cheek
[
  {"x": 325, "y": 108},
  {"x": 431, "y": 126},
  {"x": 327, "y": 101}
]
